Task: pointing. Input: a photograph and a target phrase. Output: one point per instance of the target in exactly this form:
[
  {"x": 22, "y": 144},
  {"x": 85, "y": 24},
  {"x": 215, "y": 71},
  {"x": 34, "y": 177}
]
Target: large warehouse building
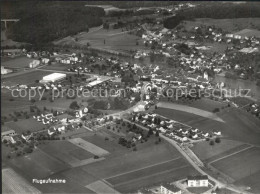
[{"x": 53, "y": 77}]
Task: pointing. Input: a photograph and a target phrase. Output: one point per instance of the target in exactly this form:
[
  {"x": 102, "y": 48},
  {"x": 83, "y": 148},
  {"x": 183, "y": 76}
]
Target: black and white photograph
[{"x": 130, "y": 97}]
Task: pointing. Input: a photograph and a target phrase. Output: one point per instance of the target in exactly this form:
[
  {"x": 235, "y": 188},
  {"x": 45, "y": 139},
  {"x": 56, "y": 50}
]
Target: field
[
  {"x": 17, "y": 104},
  {"x": 115, "y": 40},
  {"x": 230, "y": 25},
  {"x": 242, "y": 166},
  {"x": 204, "y": 151},
  {"x": 92, "y": 148},
  {"x": 18, "y": 62},
  {"x": 25, "y": 124},
  {"x": 26, "y": 78},
  {"x": 68, "y": 153},
  {"x": 38, "y": 164},
  {"x": 189, "y": 109},
  {"x": 123, "y": 169},
  {"x": 14, "y": 183}
]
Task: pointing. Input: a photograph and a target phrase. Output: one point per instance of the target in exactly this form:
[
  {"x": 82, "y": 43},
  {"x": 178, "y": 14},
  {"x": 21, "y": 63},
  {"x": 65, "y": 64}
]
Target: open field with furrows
[
  {"x": 65, "y": 151},
  {"x": 37, "y": 164},
  {"x": 156, "y": 179},
  {"x": 14, "y": 183},
  {"x": 230, "y": 25},
  {"x": 209, "y": 153},
  {"x": 239, "y": 125},
  {"x": 18, "y": 62},
  {"x": 26, "y": 78},
  {"x": 115, "y": 40},
  {"x": 242, "y": 166},
  {"x": 143, "y": 172},
  {"x": 24, "y": 125},
  {"x": 131, "y": 160},
  {"x": 89, "y": 147}
]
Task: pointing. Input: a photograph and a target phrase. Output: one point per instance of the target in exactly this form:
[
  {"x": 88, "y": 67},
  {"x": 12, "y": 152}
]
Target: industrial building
[{"x": 53, "y": 77}]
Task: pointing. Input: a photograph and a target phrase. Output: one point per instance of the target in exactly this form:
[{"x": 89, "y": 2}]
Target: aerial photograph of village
[{"x": 143, "y": 97}]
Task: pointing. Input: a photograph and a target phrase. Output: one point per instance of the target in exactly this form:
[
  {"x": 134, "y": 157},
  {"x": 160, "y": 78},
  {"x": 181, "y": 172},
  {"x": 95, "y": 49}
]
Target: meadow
[{"x": 18, "y": 62}]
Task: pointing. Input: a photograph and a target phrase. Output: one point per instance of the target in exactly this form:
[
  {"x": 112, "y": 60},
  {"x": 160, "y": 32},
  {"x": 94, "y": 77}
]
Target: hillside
[
  {"x": 216, "y": 11},
  {"x": 42, "y": 22}
]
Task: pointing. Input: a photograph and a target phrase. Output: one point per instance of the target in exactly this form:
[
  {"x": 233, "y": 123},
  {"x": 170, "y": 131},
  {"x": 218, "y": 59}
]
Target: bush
[
  {"x": 216, "y": 110},
  {"x": 74, "y": 105},
  {"x": 211, "y": 143},
  {"x": 217, "y": 140}
]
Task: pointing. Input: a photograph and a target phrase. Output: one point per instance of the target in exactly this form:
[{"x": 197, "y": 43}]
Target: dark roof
[
  {"x": 198, "y": 177},
  {"x": 170, "y": 187}
]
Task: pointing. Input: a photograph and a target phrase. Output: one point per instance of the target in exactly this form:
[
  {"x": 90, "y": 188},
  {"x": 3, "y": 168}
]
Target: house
[
  {"x": 198, "y": 181},
  {"x": 5, "y": 71},
  {"x": 217, "y": 133},
  {"x": 51, "y": 131},
  {"x": 34, "y": 63},
  {"x": 167, "y": 188},
  {"x": 15, "y": 139},
  {"x": 7, "y": 132}
]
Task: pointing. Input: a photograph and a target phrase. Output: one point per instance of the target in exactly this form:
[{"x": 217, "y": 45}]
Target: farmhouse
[
  {"x": 5, "y": 71},
  {"x": 34, "y": 63},
  {"x": 53, "y": 77},
  {"x": 7, "y": 132},
  {"x": 198, "y": 181},
  {"x": 167, "y": 188}
]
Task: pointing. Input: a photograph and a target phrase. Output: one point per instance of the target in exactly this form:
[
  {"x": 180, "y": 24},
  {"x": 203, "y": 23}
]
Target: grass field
[
  {"x": 143, "y": 172},
  {"x": 38, "y": 164},
  {"x": 89, "y": 147},
  {"x": 26, "y": 78},
  {"x": 241, "y": 167},
  {"x": 25, "y": 124},
  {"x": 204, "y": 151},
  {"x": 115, "y": 40},
  {"x": 189, "y": 109},
  {"x": 14, "y": 183},
  {"x": 18, "y": 62},
  {"x": 66, "y": 152}
]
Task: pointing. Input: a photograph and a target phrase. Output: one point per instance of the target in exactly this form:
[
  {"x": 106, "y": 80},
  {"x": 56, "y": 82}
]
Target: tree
[
  {"x": 211, "y": 143},
  {"x": 217, "y": 140},
  {"x": 150, "y": 132},
  {"x": 157, "y": 133},
  {"x": 74, "y": 105}
]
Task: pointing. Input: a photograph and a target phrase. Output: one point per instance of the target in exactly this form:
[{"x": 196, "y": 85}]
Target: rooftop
[{"x": 198, "y": 177}]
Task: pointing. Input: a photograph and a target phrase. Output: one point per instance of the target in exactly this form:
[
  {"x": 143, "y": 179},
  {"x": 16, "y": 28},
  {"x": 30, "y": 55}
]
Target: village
[{"x": 158, "y": 116}]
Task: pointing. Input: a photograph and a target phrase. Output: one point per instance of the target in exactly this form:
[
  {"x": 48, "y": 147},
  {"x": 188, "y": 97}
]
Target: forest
[
  {"x": 42, "y": 22},
  {"x": 215, "y": 11}
]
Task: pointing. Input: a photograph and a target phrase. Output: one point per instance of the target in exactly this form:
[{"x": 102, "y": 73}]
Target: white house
[{"x": 198, "y": 181}]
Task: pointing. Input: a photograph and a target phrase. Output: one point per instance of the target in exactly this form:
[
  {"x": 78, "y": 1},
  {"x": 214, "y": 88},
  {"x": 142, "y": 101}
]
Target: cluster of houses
[
  {"x": 9, "y": 135},
  {"x": 171, "y": 128},
  {"x": 46, "y": 119}
]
